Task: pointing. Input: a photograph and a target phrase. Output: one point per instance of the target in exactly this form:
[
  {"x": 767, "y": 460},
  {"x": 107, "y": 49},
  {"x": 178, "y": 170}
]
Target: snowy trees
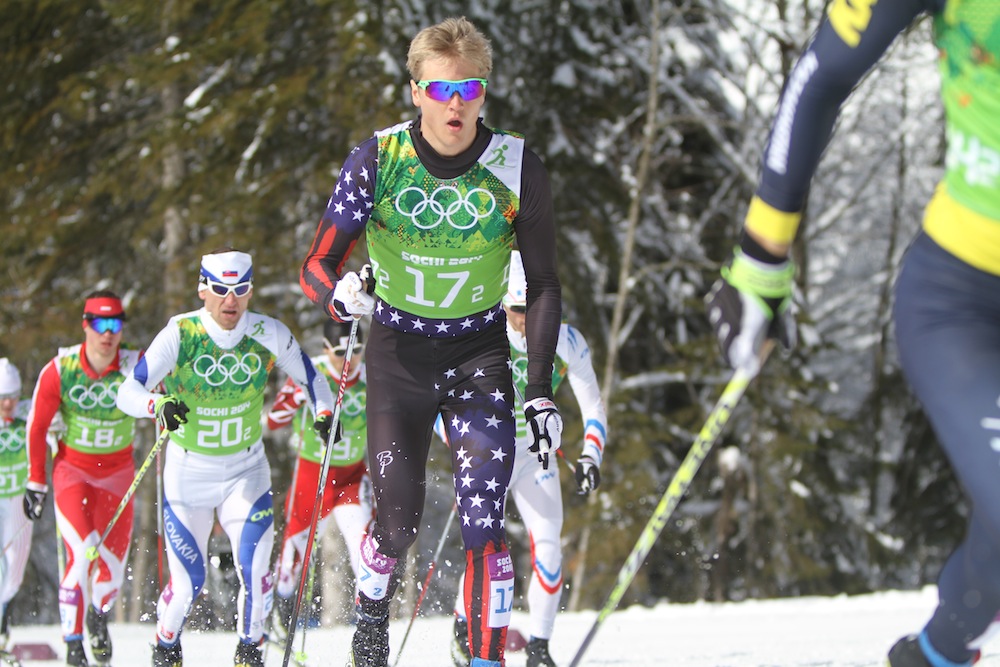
[{"x": 138, "y": 135}]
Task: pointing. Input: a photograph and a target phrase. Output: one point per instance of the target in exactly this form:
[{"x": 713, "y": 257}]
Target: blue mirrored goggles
[
  {"x": 442, "y": 90},
  {"x": 223, "y": 290},
  {"x": 105, "y": 324}
]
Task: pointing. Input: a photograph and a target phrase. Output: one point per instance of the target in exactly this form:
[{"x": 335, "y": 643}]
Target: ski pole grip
[{"x": 367, "y": 279}]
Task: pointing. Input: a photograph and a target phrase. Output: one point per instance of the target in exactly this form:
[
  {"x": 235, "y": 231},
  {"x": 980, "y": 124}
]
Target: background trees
[{"x": 138, "y": 135}]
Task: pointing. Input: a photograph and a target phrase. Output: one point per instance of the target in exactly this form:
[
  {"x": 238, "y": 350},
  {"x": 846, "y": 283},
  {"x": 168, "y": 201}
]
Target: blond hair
[{"x": 454, "y": 39}]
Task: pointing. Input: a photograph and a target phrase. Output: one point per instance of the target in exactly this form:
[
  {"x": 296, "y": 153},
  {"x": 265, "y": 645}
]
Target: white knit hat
[
  {"x": 517, "y": 287},
  {"x": 10, "y": 379}
]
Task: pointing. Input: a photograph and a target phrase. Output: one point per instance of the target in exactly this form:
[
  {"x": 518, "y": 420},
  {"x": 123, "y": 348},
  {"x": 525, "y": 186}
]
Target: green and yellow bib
[
  {"x": 353, "y": 421},
  {"x": 94, "y": 424},
  {"x": 440, "y": 247},
  {"x": 13, "y": 457},
  {"x": 964, "y": 216},
  {"x": 224, "y": 390}
]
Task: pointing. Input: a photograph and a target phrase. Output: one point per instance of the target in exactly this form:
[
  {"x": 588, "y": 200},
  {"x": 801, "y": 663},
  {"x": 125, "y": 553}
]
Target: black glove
[
  {"x": 749, "y": 304},
  {"x": 171, "y": 412},
  {"x": 322, "y": 428},
  {"x": 588, "y": 475},
  {"x": 543, "y": 419},
  {"x": 34, "y": 503}
]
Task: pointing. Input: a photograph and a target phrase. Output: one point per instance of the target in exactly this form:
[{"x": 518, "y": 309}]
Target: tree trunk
[
  {"x": 624, "y": 283},
  {"x": 176, "y": 285}
]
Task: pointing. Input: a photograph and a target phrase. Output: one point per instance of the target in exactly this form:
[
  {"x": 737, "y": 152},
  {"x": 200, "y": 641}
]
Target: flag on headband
[{"x": 229, "y": 268}]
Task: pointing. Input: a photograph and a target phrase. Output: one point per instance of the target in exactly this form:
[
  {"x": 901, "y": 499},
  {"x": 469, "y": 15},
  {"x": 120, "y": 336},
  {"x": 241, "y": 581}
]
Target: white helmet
[
  {"x": 517, "y": 286},
  {"x": 10, "y": 379}
]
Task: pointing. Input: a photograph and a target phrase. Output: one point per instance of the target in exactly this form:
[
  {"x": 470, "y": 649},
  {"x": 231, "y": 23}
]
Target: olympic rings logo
[
  {"x": 92, "y": 396},
  {"x": 519, "y": 369},
  {"x": 228, "y": 368},
  {"x": 446, "y": 202},
  {"x": 353, "y": 404},
  {"x": 12, "y": 439}
]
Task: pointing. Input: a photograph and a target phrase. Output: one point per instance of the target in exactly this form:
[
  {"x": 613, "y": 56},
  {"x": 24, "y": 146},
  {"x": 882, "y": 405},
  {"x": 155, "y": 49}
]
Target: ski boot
[
  {"x": 538, "y": 653},
  {"x": 9, "y": 660},
  {"x": 167, "y": 656},
  {"x": 283, "y": 614},
  {"x": 907, "y": 653},
  {"x": 370, "y": 644},
  {"x": 100, "y": 640},
  {"x": 248, "y": 655},
  {"x": 75, "y": 655},
  {"x": 461, "y": 656}
]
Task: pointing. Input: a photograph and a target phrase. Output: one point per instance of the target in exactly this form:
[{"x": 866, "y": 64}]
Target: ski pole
[
  {"x": 318, "y": 505},
  {"x": 159, "y": 520},
  {"x": 13, "y": 539},
  {"x": 301, "y": 657},
  {"x": 92, "y": 552},
  {"x": 703, "y": 444},
  {"x": 427, "y": 580},
  {"x": 289, "y": 501}
]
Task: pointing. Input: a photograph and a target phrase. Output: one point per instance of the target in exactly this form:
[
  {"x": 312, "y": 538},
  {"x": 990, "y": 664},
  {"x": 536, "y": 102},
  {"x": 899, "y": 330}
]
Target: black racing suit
[{"x": 419, "y": 367}]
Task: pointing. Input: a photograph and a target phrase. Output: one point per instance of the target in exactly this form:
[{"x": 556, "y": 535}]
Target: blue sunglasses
[
  {"x": 105, "y": 324},
  {"x": 442, "y": 90}
]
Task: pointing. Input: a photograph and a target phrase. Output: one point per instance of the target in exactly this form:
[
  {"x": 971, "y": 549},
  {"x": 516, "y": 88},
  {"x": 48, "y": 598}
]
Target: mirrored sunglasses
[
  {"x": 442, "y": 90},
  {"x": 341, "y": 351},
  {"x": 520, "y": 310},
  {"x": 106, "y": 324},
  {"x": 223, "y": 290},
  {"x": 9, "y": 397}
]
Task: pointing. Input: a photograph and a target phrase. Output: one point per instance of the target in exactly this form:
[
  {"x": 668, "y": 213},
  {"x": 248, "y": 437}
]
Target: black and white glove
[
  {"x": 749, "y": 304},
  {"x": 543, "y": 419},
  {"x": 171, "y": 412},
  {"x": 588, "y": 475},
  {"x": 34, "y": 502},
  {"x": 352, "y": 295},
  {"x": 322, "y": 428}
]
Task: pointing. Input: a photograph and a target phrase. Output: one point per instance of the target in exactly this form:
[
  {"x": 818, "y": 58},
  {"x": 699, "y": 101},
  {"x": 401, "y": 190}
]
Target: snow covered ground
[{"x": 803, "y": 632}]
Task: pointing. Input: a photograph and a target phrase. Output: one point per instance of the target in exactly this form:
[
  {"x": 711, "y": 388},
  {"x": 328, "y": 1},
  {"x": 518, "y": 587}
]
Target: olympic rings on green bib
[
  {"x": 98, "y": 395},
  {"x": 12, "y": 439},
  {"x": 228, "y": 368},
  {"x": 446, "y": 203}
]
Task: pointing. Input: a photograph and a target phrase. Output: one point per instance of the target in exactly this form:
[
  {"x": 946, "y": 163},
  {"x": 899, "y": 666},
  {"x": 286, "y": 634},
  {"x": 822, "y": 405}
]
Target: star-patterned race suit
[
  {"x": 439, "y": 232},
  {"x": 536, "y": 490},
  {"x": 215, "y": 463},
  {"x": 947, "y": 300},
  {"x": 91, "y": 473},
  {"x": 348, "y": 487}
]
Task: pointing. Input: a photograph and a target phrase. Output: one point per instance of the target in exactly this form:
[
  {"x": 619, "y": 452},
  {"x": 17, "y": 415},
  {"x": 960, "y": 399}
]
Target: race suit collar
[
  {"x": 224, "y": 338},
  {"x": 449, "y": 167},
  {"x": 89, "y": 370}
]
